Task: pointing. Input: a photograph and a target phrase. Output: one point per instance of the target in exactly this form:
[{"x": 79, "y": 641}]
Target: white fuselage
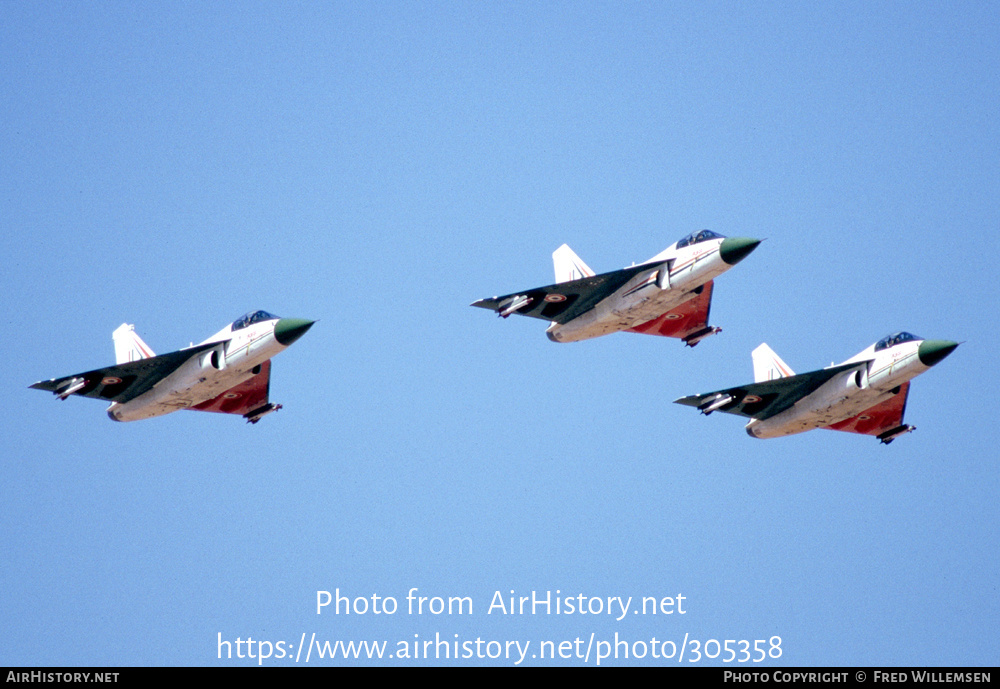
[
  {"x": 206, "y": 375},
  {"x": 848, "y": 393},
  {"x": 648, "y": 295}
]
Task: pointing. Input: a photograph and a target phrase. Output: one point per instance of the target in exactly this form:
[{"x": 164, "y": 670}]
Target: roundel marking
[
  {"x": 232, "y": 395},
  {"x": 673, "y": 316},
  {"x": 864, "y": 417},
  {"x": 111, "y": 380},
  {"x": 751, "y": 399},
  {"x": 555, "y": 298}
]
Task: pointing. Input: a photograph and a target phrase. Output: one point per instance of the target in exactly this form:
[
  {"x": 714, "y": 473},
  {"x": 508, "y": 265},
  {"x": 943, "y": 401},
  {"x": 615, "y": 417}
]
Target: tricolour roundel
[
  {"x": 232, "y": 395},
  {"x": 111, "y": 380},
  {"x": 555, "y": 298},
  {"x": 751, "y": 399},
  {"x": 673, "y": 316}
]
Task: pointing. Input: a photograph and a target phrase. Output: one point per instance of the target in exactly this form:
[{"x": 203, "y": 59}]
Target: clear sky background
[{"x": 378, "y": 167}]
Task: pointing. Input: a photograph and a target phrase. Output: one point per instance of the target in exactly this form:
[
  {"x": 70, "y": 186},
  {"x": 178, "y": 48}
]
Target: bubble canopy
[
  {"x": 697, "y": 237},
  {"x": 251, "y": 318},
  {"x": 895, "y": 339}
]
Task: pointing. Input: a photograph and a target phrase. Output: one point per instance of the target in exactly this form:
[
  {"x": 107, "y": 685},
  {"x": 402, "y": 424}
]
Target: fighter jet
[
  {"x": 669, "y": 295},
  {"x": 230, "y": 372},
  {"x": 865, "y": 394}
]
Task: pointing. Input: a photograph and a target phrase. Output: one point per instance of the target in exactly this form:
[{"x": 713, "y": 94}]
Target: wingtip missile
[
  {"x": 515, "y": 304},
  {"x": 717, "y": 402},
  {"x": 260, "y": 412},
  {"x": 69, "y": 387},
  {"x": 699, "y": 335},
  {"x": 893, "y": 433}
]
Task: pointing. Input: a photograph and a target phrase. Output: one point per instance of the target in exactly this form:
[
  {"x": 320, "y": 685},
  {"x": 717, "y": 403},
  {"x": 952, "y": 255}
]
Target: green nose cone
[
  {"x": 287, "y": 330},
  {"x": 932, "y": 351},
  {"x": 735, "y": 249}
]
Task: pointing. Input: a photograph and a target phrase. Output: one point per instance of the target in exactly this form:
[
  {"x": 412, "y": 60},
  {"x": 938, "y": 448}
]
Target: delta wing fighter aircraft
[
  {"x": 865, "y": 394},
  {"x": 230, "y": 372},
  {"x": 669, "y": 295}
]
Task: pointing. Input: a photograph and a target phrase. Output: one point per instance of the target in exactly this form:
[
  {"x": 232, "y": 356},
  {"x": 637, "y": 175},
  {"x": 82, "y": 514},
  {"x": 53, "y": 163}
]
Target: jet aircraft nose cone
[
  {"x": 735, "y": 249},
  {"x": 932, "y": 351},
  {"x": 288, "y": 330}
]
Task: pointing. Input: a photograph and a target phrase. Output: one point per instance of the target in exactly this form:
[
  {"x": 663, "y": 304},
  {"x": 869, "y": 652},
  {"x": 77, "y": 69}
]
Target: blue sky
[{"x": 378, "y": 167}]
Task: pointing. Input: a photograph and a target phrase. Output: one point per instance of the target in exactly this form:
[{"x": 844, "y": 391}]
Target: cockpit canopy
[
  {"x": 895, "y": 339},
  {"x": 696, "y": 237},
  {"x": 250, "y": 318}
]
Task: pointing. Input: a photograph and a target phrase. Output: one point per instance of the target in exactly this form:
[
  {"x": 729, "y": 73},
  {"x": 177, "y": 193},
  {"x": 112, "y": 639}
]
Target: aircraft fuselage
[
  {"x": 236, "y": 359},
  {"x": 877, "y": 378},
  {"x": 649, "y": 294}
]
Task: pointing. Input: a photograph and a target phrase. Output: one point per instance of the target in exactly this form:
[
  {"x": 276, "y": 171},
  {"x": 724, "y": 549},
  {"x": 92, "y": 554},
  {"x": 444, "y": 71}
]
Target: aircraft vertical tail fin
[
  {"x": 129, "y": 346},
  {"x": 569, "y": 266},
  {"x": 768, "y": 366}
]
